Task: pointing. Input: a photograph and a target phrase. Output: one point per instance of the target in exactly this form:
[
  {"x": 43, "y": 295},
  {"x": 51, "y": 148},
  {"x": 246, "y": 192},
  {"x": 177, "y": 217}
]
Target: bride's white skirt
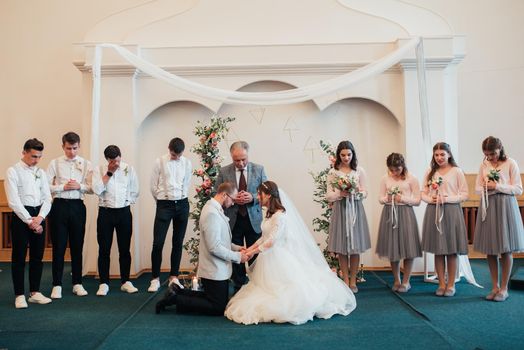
[{"x": 282, "y": 289}]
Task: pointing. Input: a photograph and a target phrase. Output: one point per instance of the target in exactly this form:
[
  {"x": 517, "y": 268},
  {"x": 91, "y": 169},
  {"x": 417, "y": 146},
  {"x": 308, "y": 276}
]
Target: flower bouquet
[{"x": 494, "y": 175}]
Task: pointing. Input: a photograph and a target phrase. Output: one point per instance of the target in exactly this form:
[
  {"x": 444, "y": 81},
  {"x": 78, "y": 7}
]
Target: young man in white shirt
[
  {"x": 170, "y": 182},
  {"x": 69, "y": 180},
  {"x": 116, "y": 185},
  {"x": 28, "y": 196}
]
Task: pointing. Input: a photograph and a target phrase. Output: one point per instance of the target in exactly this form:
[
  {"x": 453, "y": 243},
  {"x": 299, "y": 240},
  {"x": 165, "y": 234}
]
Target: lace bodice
[{"x": 273, "y": 229}]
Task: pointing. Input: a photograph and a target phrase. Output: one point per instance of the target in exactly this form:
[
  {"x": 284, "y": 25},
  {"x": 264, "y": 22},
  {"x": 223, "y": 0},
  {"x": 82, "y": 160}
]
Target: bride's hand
[{"x": 244, "y": 257}]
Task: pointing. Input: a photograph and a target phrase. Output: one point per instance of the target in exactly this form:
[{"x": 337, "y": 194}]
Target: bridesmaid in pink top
[
  {"x": 499, "y": 229},
  {"x": 398, "y": 237},
  {"x": 444, "y": 230}
]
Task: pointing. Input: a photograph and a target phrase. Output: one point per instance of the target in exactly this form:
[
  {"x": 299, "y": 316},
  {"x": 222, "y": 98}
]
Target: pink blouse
[
  {"x": 454, "y": 188},
  {"x": 409, "y": 190},
  {"x": 509, "y": 182}
]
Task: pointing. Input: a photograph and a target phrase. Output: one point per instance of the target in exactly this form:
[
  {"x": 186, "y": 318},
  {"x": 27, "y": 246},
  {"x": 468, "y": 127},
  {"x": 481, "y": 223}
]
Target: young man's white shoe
[
  {"x": 79, "y": 290},
  {"x": 103, "y": 289},
  {"x": 20, "y": 302},
  {"x": 56, "y": 293},
  {"x": 154, "y": 286},
  {"x": 128, "y": 287},
  {"x": 39, "y": 298}
]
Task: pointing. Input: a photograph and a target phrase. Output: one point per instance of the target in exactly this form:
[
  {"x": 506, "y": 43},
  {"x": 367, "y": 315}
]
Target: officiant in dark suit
[{"x": 245, "y": 216}]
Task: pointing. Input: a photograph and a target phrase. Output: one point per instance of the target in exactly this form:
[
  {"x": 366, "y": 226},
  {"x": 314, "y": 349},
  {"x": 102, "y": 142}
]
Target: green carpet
[{"x": 382, "y": 320}]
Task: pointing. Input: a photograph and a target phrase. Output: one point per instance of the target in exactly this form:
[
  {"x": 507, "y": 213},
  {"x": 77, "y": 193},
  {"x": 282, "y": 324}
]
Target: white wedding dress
[{"x": 290, "y": 280}]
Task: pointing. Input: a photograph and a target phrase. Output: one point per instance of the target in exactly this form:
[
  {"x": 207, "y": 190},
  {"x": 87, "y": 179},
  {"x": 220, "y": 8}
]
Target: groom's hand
[{"x": 243, "y": 257}]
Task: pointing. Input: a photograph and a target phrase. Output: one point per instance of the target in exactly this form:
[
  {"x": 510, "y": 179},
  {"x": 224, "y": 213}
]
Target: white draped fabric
[{"x": 296, "y": 95}]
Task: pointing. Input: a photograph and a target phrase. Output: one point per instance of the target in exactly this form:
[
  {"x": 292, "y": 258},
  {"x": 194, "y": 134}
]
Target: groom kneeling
[{"x": 215, "y": 254}]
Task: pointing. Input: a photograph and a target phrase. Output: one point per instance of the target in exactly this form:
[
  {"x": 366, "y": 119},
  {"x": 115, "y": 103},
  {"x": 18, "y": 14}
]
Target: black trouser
[
  {"x": 242, "y": 230},
  {"x": 167, "y": 211},
  {"x": 109, "y": 220},
  {"x": 21, "y": 237},
  {"x": 211, "y": 301},
  {"x": 68, "y": 221}
]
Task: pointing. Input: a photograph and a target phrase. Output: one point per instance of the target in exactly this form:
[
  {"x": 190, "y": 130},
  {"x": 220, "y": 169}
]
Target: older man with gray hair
[{"x": 245, "y": 216}]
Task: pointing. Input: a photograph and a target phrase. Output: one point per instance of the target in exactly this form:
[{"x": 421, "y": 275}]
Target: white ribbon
[
  {"x": 351, "y": 219},
  {"x": 439, "y": 212},
  {"x": 394, "y": 214},
  {"x": 484, "y": 198}
]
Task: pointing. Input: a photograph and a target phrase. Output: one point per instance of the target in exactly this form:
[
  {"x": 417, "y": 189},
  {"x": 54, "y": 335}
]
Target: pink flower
[
  {"x": 214, "y": 144},
  {"x": 434, "y": 186},
  {"x": 200, "y": 172},
  {"x": 207, "y": 183},
  {"x": 206, "y": 165},
  {"x": 208, "y": 191},
  {"x": 212, "y": 135},
  {"x": 197, "y": 190}
]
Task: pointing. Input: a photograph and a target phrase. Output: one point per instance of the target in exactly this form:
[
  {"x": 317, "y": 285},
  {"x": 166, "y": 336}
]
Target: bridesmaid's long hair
[
  {"x": 271, "y": 188},
  {"x": 395, "y": 160},
  {"x": 491, "y": 144},
  {"x": 434, "y": 166},
  {"x": 346, "y": 145}
]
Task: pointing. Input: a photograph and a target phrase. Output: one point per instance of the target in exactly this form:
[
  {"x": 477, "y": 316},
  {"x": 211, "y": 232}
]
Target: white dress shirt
[
  {"x": 120, "y": 191},
  {"x": 170, "y": 179},
  {"x": 63, "y": 169},
  {"x": 27, "y": 186}
]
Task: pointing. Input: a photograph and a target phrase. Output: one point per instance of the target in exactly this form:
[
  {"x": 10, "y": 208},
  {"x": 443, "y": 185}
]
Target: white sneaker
[
  {"x": 103, "y": 289},
  {"x": 128, "y": 288},
  {"x": 56, "y": 293},
  {"x": 176, "y": 281},
  {"x": 79, "y": 290},
  {"x": 154, "y": 286},
  {"x": 20, "y": 302},
  {"x": 39, "y": 298}
]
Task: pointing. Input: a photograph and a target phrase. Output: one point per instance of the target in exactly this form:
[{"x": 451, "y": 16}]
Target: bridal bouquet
[
  {"x": 494, "y": 175},
  {"x": 348, "y": 184}
]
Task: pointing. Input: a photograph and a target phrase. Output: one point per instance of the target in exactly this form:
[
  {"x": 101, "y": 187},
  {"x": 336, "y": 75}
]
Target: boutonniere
[
  {"x": 126, "y": 170},
  {"x": 36, "y": 174},
  {"x": 79, "y": 165}
]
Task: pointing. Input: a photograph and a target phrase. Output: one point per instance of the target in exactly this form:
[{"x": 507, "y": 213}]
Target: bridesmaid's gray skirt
[
  {"x": 453, "y": 239},
  {"x": 338, "y": 240},
  {"x": 402, "y": 242},
  {"x": 502, "y": 230}
]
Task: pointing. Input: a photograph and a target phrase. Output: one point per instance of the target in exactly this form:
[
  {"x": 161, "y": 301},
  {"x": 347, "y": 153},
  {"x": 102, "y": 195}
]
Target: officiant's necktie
[{"x": 242, "y": 186}]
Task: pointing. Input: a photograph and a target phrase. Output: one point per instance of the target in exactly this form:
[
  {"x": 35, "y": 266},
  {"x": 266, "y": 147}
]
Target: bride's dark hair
[{"x": 271, "y": 188}]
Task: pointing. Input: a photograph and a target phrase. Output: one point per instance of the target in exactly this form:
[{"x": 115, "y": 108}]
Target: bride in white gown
[{"x": 290, "y": 280}]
